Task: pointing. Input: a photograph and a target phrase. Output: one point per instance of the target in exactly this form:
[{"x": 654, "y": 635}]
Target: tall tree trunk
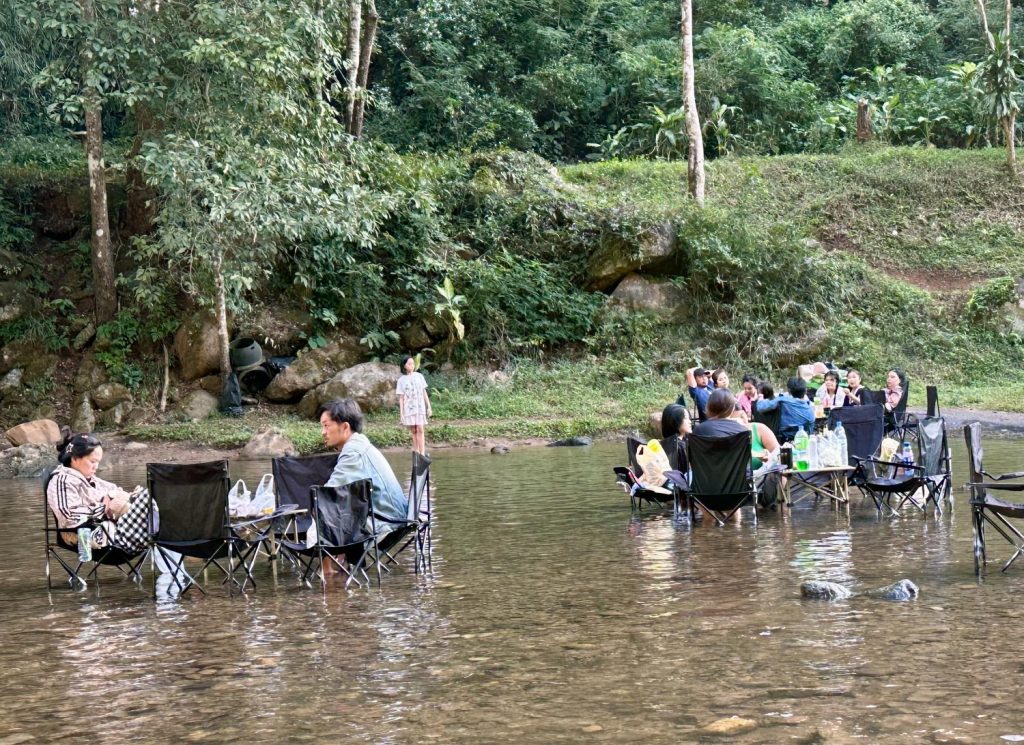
[
  {"x": 352, "y": 53},
  {"x": 222, "y": 319},
  {"x": 366, "y": 44},
  {"x": 140, "y": 210},
  {"x": 1010, "y": 125},
  {"x": 695, "y": 162},
  {"x": 105, "y": 293}
]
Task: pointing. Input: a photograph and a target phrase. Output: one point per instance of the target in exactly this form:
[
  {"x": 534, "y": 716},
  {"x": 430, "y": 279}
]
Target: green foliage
[
  {"x": 987, "y": 301},
  {"x": 114, "y": 344}
]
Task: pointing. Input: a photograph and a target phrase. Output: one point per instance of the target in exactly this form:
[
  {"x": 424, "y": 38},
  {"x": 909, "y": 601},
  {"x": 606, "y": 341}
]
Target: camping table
[
  {"x": 261, "y": 527},
  {"x": 836, "y": 487}
]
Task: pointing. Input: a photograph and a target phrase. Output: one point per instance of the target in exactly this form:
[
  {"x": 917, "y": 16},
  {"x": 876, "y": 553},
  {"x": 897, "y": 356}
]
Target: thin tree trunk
[
  {"x": 863, "y": 121},
  {"x": 222, "y": 319},
  {"x": 352, "y": 53},
  {"x": 167, "y": 379},
  {"x": 366, "y": 44},
  {"x": 140, "y": 210},
  {"x": 984, "y": 24},
  {"x": 105, "y": 293},
  {"x": 695, "y": 161},
  {"x": 1009, "y": 133}
]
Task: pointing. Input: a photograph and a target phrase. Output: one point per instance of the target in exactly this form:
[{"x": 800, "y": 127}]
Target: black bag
[{"x": 231, "y": 397}]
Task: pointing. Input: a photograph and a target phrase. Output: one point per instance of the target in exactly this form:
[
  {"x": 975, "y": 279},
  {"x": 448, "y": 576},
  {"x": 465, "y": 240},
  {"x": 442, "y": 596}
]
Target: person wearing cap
[{"x": 700, "y": 388}]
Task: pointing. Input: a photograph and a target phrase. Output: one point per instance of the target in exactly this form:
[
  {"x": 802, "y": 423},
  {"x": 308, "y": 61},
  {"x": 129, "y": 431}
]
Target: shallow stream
[{"x": 553, "y": 614}]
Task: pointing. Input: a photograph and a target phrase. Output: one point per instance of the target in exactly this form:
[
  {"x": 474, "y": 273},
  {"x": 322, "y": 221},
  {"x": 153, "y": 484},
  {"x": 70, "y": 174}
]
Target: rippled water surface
[{"x": 553, "y": 614}]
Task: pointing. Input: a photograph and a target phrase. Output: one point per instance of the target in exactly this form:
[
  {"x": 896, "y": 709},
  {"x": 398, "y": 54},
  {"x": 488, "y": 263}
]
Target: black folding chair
[
  {"x": 771, "y": 419},
  {"x": 294, "y": 476},
  {"x": 933, "y": 445},
  {"x": 60, "y": 548},
  {"x": 932, "y": 395},
  {"x": 341, "y": 514},
  {"x": 987, "y": 508},
  {"x": 414, "y": 529},
  {"x": 898, "y": 423},
  {"x": 629, "y": 478},
  {"x": 884, "y": 480},
  {"x": 721, "y": 481},
  {"x": 864, "y": 426},
  {"x": 194, "y": 521}
]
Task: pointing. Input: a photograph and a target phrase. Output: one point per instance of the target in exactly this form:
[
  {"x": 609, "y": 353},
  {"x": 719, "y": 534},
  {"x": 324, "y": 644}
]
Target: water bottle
[
  {"x": 907, "y": 458},
  {"x": 800, "y": 444},
  {"x": 841, "y": 445},
  {"x": 84, "y": 544},
  {"x": 814, "y": 452}
]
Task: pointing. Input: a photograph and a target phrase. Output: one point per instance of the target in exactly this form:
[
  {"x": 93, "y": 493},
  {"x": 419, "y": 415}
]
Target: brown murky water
[{"x": 553, "y": 614}]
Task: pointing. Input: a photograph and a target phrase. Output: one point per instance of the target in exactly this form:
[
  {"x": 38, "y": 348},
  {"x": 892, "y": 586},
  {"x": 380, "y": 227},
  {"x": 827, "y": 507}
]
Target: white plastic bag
[
  {"x": 653, "y": 461},
  {"x": 263, "y": 501},
  {"x": 238, "y": 499}
]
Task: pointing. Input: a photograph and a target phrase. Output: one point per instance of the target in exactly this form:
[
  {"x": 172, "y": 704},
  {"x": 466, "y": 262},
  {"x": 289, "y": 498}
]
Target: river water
[{"x": 553, "y": 614}]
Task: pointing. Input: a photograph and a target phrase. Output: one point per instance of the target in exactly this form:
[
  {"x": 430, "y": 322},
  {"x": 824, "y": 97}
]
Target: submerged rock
[
  {"x": 730, "y": 726},
  {"x": 902, "y": 590},
  {"x": 571, "y": 442},
  {"x": 825, "y": 591},
  {"x": 501, "y": 450}
]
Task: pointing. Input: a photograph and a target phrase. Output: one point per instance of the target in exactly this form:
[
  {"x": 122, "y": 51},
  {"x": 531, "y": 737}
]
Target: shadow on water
[{"x": 553, "y": 613}]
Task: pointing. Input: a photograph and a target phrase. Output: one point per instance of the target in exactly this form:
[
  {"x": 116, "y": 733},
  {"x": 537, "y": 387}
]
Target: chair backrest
[
  {"x": 901, "y": 407},
  {"x": 341, "y": 513},
  {"x": 294, "y": 475},
  {"x": 419, "y": 488},
  {"x": 932, "y": 394},
  {"x": 864, "y": 427},
  {"x": 632, "y": 443},
  {"x": 676, "y": 452},
  {"x": 719, "y": 465},
  {"x": 193, "y": 499},
  {"x": 931, "y": 441},
  {"x": 975, "y": 455},
  {"x": 771, "y": 419}
]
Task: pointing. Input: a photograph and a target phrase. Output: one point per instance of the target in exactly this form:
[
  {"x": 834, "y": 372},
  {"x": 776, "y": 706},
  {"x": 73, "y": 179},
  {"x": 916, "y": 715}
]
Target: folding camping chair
[
  {"x": 721, "y": 480},
  {"x": 933, "y": 448},
  {"x": 864, "y": 426},
  {"x": 771, "y": 419},
  {"x": 194, "y": 521},
  {"x": 987, "y": 508},
  {"x": 340, "y": 514},
  {"x": 60, "y": 548},
  {"x": 415, "y": 528},
  {"x": 883, "y": 480},
  {"x": 629, "y": 479},
  {"x": 294, "y": 476}
]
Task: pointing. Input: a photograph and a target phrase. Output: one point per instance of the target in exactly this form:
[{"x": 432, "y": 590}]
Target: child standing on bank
[{"x": 414, "y": 404}]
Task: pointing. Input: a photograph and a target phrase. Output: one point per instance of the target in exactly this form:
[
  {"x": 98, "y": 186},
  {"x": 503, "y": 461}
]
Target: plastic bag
[
  {"x": 653, "y": 461},
  {"x": 239, "y": 498},
  {"x": 263, "y": 500}
]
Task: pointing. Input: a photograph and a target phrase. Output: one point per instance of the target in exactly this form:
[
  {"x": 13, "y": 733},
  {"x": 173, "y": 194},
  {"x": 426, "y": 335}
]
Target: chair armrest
[
  {"x": 677, "y": 479},
  {"x": 888, "y": 463}
]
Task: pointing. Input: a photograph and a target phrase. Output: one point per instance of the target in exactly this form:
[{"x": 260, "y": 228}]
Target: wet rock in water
[
  {"x": 730, "y": 726},
  {"x": 571, "y": 442},
  {"x": 501, "y": 450},
  {"x": 268, "y": 443},
  {"x": 902, "y": 590},
  {"x": 27, "y": 461},
  {"x": 824, "y": 591}
]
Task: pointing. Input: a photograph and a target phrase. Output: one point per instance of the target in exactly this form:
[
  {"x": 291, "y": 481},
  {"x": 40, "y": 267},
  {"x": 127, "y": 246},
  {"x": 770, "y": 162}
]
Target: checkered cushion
[{"x": 132, "y": 532}]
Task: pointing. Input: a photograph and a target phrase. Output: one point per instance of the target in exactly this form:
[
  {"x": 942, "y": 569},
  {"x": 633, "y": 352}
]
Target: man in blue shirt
[
  {"x": 795, "y": 411},
  {"x": 341, "y": 424},
  {"x": 699, "y": 387}
]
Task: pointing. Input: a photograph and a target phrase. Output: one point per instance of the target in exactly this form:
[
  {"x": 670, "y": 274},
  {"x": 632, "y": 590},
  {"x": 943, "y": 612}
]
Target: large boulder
[
  {"x": 38, "y": 432},
  {"x": 109, "y": 395},
  {"x": 91, "y": 374},
  {"x": 115, "y": 417},
  {"x": 809, "y": 347},
  {"x": 268, "y": 443},
  {"x": 25, "y": 354},
  {"x": 61, "y": 211},
  {"x": 280, "y": 330},
  {"x": 197, "y": 346},
  {"x": 313, "y": 367},
  {"x": 15, "y": 301},
  {"x": 197, "y": 405},
  {"x": 27, "y": 461},
  {"x": 659, "y": 296},
  {"x": 371, "y": 384},
  {"x": 83, "y": 418},
  {"x": 617, "y": 256}
]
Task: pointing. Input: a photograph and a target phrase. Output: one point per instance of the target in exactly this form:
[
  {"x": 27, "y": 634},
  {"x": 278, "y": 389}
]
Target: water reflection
[{"x": 552, "y": 614}]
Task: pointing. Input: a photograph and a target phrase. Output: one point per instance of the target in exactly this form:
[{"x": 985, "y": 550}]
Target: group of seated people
[{"x": 796, "y": 408}]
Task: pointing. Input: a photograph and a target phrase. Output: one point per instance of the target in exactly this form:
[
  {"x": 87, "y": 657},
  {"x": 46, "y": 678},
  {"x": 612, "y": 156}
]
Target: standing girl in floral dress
[{"x": 414, "y": 404}]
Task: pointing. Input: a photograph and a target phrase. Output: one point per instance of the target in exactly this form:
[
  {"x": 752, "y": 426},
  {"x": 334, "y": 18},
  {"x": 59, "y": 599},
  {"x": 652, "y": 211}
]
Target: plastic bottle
[
  {"x": 800, "y": 454},
  {"x": 84, "y": 544},
  {"x": 907, "y": 458},
  {"x": 841, "y": 445}
]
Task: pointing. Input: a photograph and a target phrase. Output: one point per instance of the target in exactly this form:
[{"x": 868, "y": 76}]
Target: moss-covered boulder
[
  {"x": 620, "y": 253},
  {"x": 313, "y": 367}
]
